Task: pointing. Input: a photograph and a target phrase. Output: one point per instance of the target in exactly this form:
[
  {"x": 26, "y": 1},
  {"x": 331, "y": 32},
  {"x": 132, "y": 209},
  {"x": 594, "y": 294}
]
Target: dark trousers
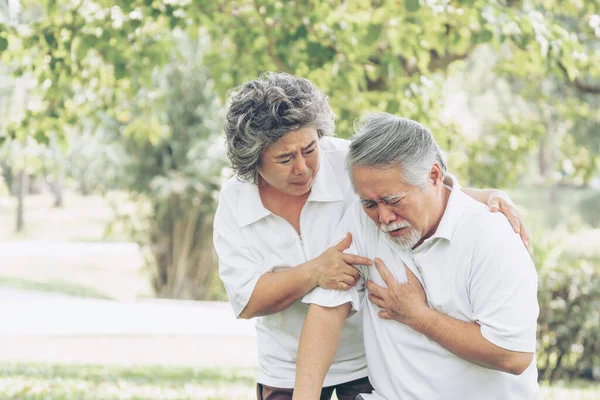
[{"x": 344, "y": 391}]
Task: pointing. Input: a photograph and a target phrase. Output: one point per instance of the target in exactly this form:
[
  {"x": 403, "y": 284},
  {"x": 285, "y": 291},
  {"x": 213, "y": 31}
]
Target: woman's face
[{"x": 291, "y": 164}]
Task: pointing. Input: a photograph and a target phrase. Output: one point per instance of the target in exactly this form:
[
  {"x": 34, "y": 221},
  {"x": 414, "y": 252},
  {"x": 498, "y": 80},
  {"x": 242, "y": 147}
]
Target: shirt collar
[
  {"x": 452, "y": 213},
  {"x": 250, "y": 207},
  {"x": 325, "y": 188}
]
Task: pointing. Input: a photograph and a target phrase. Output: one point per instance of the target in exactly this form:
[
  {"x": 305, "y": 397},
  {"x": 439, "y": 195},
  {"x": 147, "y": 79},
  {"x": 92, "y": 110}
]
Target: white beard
[{"x": 409, "y": 238}]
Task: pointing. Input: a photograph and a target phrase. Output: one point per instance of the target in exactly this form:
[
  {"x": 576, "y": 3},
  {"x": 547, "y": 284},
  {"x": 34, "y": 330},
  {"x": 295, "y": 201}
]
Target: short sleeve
[
  {"x": 333, "y": 298},
  {"x": 239, "y": 268},
  {"x": 503, "y": 289}
]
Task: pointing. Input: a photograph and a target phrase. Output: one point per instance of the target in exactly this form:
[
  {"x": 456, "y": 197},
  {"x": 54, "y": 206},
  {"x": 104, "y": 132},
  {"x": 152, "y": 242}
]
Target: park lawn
[
  {"x": 96, "y": 382},
  {"x": 53, "y": 286},
  {"x": 87, "y": 382}
]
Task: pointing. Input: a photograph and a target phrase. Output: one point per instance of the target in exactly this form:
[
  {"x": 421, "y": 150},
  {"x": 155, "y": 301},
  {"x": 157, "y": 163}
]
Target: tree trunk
[
  {"x": 23, "y": 182},
  {"x": 545, "y": 157},
  {"x": 57, "y": 183},
  {"x": 57, "y": 190}
]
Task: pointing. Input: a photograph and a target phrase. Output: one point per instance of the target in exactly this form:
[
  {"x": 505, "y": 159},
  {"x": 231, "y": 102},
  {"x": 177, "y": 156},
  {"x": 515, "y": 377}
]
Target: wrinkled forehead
[{"x": 379, "y": 184}]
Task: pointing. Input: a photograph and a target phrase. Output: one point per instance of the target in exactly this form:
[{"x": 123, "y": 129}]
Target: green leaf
[
  {"x": 411, "y": 5},
  {"x": 50, "y": 39},
  {"x": 301, "y": 33},
  {"x": 120, "y": 70},
  {"x": 3, "y": 43},
  {"x": 393, "y": 106},
  {"x": 374, "y": 33},
  {"x": 482, "y": 37},
  {"x": 81, "y": 49},
  {"x": 486, "y": 36},
  {"x": 41, "y": 137}
]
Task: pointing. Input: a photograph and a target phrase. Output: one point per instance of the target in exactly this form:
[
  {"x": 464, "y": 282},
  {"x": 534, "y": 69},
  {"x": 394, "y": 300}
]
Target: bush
[
  {"x": 590, "y": 209},
  {"x": 173, "y": 174},
  {"x": 569, "y": 321}
]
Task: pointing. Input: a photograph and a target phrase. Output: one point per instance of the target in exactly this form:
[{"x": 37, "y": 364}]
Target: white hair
[{"x": 382, "y": 140}]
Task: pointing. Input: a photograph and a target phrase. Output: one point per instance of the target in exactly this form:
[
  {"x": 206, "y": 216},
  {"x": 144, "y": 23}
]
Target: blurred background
[{"x": 111, "y": 160}]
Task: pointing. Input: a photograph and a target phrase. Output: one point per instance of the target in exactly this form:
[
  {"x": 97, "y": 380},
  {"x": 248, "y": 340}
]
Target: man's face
[
  {"x": 291, "y": 164},
  {"x": 404, "y": 212}
]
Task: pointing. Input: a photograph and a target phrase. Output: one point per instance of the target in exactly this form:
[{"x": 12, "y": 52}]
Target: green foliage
[
  {"x": 175, "y": 163},
  {"x": 84, "y": 55},
  {"x": 569, "y": 321},
  {"x": 386, "y": 55},
  {"x": 496, "y": 159},
  {"x": 92, "y": 57},
  {"x": 590, "y": 207}
]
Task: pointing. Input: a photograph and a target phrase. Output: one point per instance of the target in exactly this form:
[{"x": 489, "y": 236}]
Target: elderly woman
[{"x": 275, "y": 219}]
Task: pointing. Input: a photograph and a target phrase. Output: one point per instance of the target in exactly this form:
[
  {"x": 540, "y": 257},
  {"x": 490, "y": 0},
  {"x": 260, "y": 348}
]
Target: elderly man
[{"x": 459, "y": 321}]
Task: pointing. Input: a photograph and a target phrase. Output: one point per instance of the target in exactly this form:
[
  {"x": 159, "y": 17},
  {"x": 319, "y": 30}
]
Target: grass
[
  {"x": 53, "y": 286},
  {"x": 82, "y": 219},
  {"x": 96, "y": 382},
  {"x": 65, "y": 250},
  {"x": 579, "y": 390}
]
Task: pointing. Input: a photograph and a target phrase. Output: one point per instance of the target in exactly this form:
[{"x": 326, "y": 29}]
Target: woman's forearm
[
  {"x": 276, "y": 291},
  {"x": 481, "y": 195}
]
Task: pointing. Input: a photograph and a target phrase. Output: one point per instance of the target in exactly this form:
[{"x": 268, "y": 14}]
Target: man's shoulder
[
  {"x": 476, "y": 218},
  {"x": 488, "y": 234},
  {"x": 481, "y": 227}
]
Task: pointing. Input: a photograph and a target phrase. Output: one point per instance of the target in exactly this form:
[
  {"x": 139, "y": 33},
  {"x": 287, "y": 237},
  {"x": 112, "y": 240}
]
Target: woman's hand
[
  {"x": 499, "y": 200},
  {"x": 334, "y": 269}
]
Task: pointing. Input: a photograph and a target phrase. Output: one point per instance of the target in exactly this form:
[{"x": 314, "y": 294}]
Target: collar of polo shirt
[{"x": 452, "y": 213}]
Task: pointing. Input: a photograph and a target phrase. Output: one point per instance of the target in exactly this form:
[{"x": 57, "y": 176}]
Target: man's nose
[{"x": 386, "y": 215}]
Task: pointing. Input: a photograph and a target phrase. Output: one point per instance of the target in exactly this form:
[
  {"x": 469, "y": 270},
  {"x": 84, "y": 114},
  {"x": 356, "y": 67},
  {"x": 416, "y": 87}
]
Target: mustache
[{"x": 394, "y": 225}]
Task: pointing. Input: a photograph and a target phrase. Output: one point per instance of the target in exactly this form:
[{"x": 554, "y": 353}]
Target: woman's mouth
[{"x": 301, "y": 183}]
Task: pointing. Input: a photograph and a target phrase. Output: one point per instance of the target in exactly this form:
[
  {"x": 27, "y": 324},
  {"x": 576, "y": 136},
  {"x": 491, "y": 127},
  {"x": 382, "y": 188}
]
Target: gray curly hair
[{"x": 264, "y": 110}]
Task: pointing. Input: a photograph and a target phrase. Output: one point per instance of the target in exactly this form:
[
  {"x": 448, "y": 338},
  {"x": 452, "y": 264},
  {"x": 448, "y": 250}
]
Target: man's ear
[{"x": 436, "y": 176}]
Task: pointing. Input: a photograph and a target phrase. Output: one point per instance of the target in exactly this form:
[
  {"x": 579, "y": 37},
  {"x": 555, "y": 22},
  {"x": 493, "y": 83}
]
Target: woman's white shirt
[{"x": 251, "y": 241}]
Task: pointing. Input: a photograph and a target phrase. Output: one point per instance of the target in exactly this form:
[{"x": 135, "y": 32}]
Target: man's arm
[
  {"x": 405, "y": 303},
  {"x": 466, "y": 341},
  {"x": 318, "y": 343}
]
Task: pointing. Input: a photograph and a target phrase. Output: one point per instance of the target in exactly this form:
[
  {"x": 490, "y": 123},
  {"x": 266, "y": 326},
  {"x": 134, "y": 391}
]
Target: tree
[
  {"x": 175, "y": 165},
  {"x": 100, "y": 60}
]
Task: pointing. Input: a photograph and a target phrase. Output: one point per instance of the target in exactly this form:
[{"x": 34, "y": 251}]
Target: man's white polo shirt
[
  {"x": 251, "y": 241},
  {"x": 474, "y": 268}
]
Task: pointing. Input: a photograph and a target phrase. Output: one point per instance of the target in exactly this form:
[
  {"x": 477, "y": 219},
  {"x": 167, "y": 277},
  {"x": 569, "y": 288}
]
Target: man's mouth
[{"x": 397, "y": 232}]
